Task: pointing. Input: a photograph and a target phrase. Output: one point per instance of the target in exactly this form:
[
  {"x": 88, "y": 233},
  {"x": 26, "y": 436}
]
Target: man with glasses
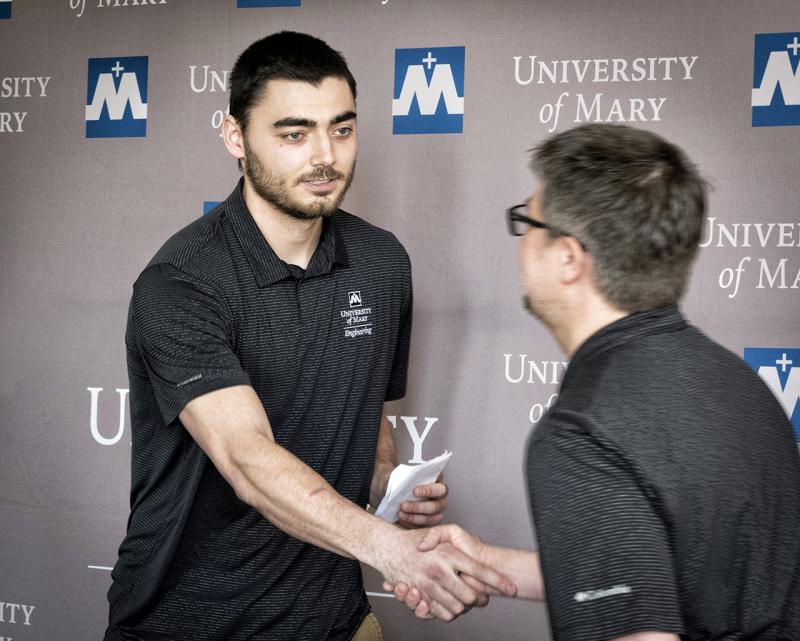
[{"x": 665, "y": 480}]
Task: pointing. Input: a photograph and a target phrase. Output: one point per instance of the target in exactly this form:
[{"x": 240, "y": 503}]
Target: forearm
[
  {"x": 232, "y": 428},
  {"x": 385, "y": 462},
  {"x": 301, "y": 503},
  {"x": 521, "y": 566}
]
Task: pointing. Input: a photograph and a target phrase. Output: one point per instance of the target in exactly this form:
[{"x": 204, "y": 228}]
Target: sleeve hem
[{"x": 199, "y": 388}]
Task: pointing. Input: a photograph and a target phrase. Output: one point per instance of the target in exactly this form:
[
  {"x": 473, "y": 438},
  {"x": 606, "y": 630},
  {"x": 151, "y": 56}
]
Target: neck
[
  {"x": 580, "y": 321},
  {"x": 292, "y": 239}
]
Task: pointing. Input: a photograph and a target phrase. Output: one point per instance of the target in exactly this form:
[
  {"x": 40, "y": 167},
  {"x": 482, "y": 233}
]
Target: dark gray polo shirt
[
  {"x": 665, "y": 485},
  {"x": 323, "y": 348}
]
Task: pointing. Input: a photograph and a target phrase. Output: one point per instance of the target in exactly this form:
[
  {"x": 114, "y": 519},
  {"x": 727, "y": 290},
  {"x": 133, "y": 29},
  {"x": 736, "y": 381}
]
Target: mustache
[{"x": 321, "y": 174}]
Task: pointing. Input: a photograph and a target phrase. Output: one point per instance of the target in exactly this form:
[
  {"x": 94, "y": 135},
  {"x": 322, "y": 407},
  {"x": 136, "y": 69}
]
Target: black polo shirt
[
  {"x": 665, "y": 487},
  {"x": 323, "y": 348}
]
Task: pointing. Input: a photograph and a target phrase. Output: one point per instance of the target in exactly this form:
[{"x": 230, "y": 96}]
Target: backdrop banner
[{"x": 109, "y": 143}]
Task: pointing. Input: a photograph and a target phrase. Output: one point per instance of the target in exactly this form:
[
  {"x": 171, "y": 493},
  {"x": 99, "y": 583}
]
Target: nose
[{"x": 323, "y": 151}]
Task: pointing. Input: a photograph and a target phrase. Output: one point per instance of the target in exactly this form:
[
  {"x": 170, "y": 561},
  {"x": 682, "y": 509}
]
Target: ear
[
  {"x": 573, "y": 260},
  {"x": 233, "y": 137}
]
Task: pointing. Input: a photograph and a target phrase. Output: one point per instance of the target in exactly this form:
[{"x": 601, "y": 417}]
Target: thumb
[{"x": 431, "y": 539}]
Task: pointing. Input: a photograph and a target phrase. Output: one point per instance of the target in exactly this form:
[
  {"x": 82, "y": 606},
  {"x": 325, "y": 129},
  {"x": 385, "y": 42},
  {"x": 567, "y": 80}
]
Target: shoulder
[
  {"x": 184, "y": 267},
  {"x": 190, "y": 257},
  {"x": 184, "y": 247},
  {"x": 363, "y": 238}
]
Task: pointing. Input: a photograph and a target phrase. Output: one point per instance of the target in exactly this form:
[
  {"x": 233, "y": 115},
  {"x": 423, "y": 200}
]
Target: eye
[
  {"x": 293, "y": 136},
  {"x": 343, "y": 131}
]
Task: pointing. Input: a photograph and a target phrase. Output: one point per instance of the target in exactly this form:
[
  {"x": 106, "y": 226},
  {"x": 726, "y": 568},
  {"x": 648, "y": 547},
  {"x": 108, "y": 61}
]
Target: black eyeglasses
[{"x": 518, "y": 223}]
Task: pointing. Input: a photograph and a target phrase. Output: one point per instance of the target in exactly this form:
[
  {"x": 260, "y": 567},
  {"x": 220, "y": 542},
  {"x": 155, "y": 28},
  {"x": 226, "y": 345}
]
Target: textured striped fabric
[
  {"x": 665, "y": 486},
  {"x": 323, "y": 348}
]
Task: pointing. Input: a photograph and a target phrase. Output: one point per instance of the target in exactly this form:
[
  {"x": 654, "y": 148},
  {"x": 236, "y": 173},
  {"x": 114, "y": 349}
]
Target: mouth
[{"x": 320, "y": 186}]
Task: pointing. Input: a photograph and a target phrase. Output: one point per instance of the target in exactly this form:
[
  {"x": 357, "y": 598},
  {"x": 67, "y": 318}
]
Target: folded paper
[{"x": 403, "y": 480}]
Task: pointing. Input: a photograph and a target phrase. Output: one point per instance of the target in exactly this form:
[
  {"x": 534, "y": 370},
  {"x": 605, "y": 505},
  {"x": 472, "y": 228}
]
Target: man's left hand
[{"x": 429, "y": 509}]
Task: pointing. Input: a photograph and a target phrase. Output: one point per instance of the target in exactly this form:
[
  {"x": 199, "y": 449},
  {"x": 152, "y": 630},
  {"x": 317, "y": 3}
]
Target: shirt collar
[
  {"x": 267, "y": 266},
  {"x": 661, "y": 320}
]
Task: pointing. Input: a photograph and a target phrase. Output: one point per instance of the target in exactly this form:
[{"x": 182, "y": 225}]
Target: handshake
[
  {"x": 445, "y": 573},
  {"x": 442, "y": 570}
]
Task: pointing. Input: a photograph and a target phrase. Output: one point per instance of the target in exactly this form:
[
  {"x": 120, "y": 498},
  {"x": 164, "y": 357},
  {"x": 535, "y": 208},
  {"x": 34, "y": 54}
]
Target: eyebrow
[
  {"x": 347, "y": 115},
  {"x": 306, "y": 122}
]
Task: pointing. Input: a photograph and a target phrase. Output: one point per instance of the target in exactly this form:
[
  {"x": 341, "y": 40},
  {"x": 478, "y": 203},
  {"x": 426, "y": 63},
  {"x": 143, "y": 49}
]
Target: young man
[
  {"x": 262, "y": 343},
  {"x": 665, "y": 481}
]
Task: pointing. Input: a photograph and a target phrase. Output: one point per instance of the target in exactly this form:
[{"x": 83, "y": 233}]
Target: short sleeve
[
  {"x": 397, "y": 377},
  {"x": 181, "y": 330},
  {"x": 605, "y": 552}
]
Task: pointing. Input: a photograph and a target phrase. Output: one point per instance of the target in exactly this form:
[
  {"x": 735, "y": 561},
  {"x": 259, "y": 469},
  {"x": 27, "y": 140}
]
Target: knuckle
[{"x": 426, "y": 586}]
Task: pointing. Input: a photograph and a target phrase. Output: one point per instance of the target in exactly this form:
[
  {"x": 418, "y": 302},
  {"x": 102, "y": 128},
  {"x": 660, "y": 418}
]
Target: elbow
[{"x": 237, "y": 465}]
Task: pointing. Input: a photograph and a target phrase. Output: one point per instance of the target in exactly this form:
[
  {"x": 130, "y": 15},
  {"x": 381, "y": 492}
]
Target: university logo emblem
[
  {"x": 251, "y": 4},
  {"x": 5, "y": 9},
  {"x": 355, "y": 299},
  {"x": 116, "y": 98},
  {"x": 776, "y": 80},
  {"x": 428, "y": 91},
  {"x": 780, "y": 369}
]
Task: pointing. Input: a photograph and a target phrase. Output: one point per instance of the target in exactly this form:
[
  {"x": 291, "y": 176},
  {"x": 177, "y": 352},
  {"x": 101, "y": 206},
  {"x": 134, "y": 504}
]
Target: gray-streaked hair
[{"x": 634, "y": 200}]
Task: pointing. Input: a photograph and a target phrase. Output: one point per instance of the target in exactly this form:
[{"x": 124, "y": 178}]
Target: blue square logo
[
  {"x": 780, "y": 370},
  {"x": 116, "y": 98},
  {"x": 253, "y": 4},
  {"x": 776, "y": 80},
  {"x": 5, "y": 9},
  {"x": 428, "y": 91}
]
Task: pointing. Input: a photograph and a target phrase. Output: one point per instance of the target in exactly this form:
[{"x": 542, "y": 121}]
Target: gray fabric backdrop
[{"x": 81, "y": 216}]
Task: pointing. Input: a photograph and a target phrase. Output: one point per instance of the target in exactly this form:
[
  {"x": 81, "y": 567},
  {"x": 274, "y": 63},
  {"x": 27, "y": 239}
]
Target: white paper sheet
[{"x": 403, "y": 480}]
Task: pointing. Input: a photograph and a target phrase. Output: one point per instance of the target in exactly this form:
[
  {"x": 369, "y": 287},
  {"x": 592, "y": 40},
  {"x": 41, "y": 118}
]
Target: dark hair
[
  {"x": 286, "y": 56},
  {"x": 634, "y": 200}
]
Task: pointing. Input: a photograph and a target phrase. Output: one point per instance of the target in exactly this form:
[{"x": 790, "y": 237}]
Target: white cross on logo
[
  {"x": 783, "y": 362},
  {"x": 430, "y": 59},
  {"x": 794, "y": 47},
  {"x": 117, "y": 68}
]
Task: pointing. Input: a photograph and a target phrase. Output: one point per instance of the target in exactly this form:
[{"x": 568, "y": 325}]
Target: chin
[{"x": 535, "y": 310}]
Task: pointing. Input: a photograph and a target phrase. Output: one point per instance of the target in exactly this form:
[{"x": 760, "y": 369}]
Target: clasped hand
[
  {"x": 429, "y": 507},
  {"x": 444, "y": 575}
]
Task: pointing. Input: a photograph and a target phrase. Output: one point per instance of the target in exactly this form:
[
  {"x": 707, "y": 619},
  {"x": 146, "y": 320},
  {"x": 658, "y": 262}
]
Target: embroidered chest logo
[
  {"x": 593, "y": 595},
  {"x": 357, "y": 320}
]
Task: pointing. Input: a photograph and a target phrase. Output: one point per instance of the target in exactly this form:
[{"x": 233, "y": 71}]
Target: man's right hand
[
  {"x": 452, "y": 579},
  {"x": 468, "y": 543},
  {"x": 521, "y": 566},
  {"x": 446, "y": 579}
]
